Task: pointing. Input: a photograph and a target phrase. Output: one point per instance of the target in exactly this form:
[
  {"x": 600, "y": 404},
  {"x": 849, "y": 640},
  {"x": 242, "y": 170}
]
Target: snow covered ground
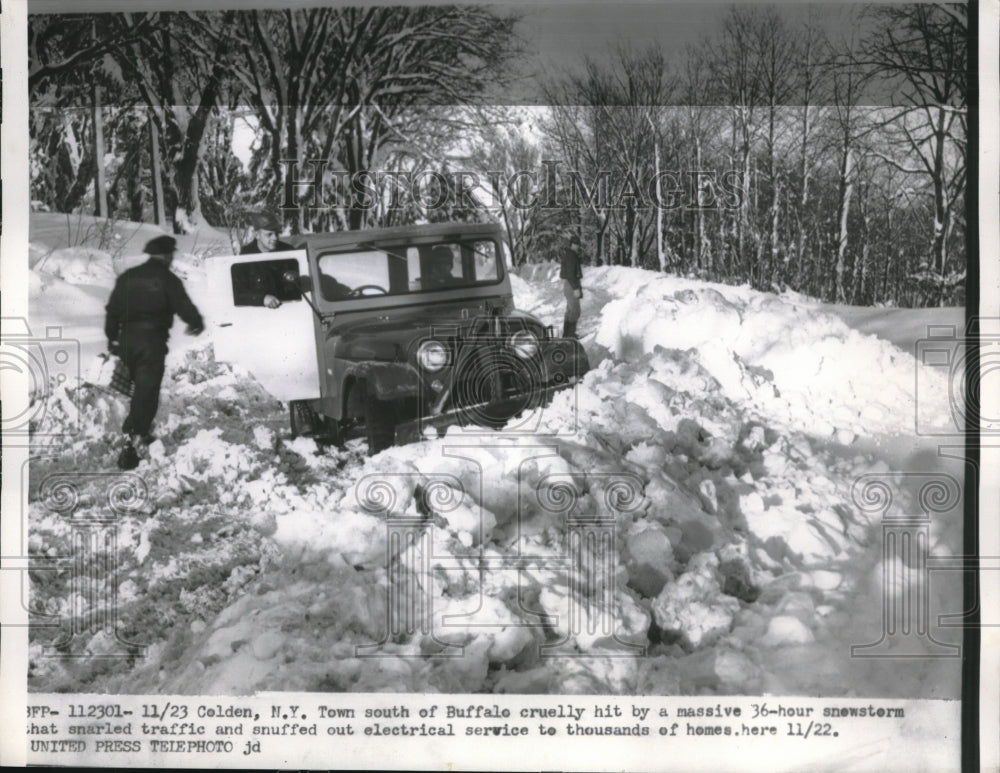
[{"x": 714, "y": 446}]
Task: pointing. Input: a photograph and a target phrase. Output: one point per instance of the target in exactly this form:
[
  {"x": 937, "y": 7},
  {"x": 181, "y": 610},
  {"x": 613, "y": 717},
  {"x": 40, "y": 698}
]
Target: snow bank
[
  {"x": 707, "y": 444},
  {"x": 117, "y": 237},
  {"x": 797, "y": 364},
  {"x": 78, "y": 266}
]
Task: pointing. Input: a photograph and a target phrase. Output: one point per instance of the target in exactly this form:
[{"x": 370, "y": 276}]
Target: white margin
[{"x": 14, "y": 280}]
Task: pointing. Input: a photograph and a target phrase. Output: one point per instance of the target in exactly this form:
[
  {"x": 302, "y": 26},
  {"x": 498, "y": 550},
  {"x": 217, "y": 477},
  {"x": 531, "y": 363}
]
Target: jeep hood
[{"x": 391, "y": 339}]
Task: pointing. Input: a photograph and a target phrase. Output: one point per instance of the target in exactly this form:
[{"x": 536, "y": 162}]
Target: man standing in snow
[
  {"x": 571, "y": 273},
  {"x": 139, "y": 315},
  {"x": 266, "y": 227}
]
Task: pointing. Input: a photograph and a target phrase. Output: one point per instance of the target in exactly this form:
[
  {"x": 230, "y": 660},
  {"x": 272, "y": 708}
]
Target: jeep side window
[
  {"x": 413, "y": 268},
  {"x": 253, "y": 280},
  {"x": 358, "y": 274},
  {"x": 397, "y": 270},
  {"x": 485, "y": 262}
]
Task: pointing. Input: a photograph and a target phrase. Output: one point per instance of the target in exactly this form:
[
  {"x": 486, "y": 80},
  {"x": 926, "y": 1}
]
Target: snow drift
[{"x": 681, "y": 522}]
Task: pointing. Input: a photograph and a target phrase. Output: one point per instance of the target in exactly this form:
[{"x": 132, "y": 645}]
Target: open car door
[{"x": 278, "y": 346}]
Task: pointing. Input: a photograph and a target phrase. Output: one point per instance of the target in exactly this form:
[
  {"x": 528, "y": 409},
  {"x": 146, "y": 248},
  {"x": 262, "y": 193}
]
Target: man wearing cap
[
  {"x": 140, "y": 313},
  {"x": 571, "y": 273},
  {"x": 266, "y": 227}
]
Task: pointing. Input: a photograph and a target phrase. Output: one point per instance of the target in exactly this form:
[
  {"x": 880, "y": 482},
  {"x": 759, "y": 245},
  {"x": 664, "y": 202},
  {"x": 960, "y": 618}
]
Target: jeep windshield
[{"x": 378, "y": 270}]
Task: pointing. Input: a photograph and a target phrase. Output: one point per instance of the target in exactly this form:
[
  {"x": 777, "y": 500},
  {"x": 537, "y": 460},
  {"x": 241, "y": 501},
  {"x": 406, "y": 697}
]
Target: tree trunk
[
  {"x": 156, "y": 173},
  {"x": 861, "y": 270},
  {"x": 632, "y": 229},
  {"x": 187, "y": 214},
  {"x": 843, "y": 212},
  {"x": 775, "y": 272},
  {"x": 939, "y": 244},
  {"x": 660, "y": 255},
  {"x": 803, "y": 195},
  {"x": 770, "y": 274},
  {"x": 703, "y": 257},
  {"x": 293, "y": 132},
  {"x": 81, "y": 184},
  {"x": 100, "y": 183},
  {"x": 133, "y": 186},
  {"x": 744, "y": 212}
]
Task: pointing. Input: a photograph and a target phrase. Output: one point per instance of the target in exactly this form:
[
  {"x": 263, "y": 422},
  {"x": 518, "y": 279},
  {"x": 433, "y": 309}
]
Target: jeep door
[{"x": 278, "y": 346}]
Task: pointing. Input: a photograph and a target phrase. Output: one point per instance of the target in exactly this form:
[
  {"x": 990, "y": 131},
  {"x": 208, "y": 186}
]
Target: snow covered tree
[
  {"x": 921, "y": 51},
  {"x": 348, "y": 85}
]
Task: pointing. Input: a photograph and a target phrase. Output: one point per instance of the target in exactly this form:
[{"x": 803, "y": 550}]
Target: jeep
[{"x": 387, "y": 333}]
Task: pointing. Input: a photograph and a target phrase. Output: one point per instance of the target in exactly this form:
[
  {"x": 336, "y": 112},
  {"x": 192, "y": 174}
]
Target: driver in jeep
[{"x": 439, "y": 263}]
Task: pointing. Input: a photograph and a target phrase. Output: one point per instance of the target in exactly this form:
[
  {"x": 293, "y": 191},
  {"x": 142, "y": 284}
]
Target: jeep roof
[{"x": 413, "y": 234}]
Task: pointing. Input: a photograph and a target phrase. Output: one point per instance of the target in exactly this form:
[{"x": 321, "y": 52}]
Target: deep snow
[{"x": 741, "y": 564}]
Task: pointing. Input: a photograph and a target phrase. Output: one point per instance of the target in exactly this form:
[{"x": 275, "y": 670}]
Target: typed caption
[{"x": 308, "y": 729}]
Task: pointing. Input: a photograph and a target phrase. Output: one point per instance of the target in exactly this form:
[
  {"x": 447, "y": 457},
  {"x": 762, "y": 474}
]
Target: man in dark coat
[
  {"x": 265, "y": 286},
  {"x": 139, "y": 315},
  {"x": 571, "y": 273}
]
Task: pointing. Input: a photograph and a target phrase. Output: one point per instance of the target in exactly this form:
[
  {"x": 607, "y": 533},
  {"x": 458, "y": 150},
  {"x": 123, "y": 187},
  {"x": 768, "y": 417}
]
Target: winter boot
[
  {"x": 128, "y": 459},
  {"x": 569, "y": 329}
]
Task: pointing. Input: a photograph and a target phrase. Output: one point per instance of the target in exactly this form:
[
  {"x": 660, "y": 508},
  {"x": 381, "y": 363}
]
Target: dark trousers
[
  {"x": 572, "y": 302},
  {"x": 143, "y": 352}
]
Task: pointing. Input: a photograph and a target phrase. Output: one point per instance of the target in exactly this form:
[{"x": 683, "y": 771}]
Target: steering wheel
[{"x": 357, "y": 290}]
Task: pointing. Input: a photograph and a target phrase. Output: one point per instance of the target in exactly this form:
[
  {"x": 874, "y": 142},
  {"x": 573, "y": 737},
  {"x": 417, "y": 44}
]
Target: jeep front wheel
[
  {"x": 379, "y": 419},
  {"x": 306, "y": 422},
  {"x": 302, "y": 419}
]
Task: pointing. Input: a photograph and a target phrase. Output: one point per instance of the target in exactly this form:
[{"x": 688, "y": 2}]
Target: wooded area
[{"x": 775, "y": 152}]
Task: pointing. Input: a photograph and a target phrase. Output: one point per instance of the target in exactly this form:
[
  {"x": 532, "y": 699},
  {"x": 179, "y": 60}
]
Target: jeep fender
[{"x": 386, "y": 380}]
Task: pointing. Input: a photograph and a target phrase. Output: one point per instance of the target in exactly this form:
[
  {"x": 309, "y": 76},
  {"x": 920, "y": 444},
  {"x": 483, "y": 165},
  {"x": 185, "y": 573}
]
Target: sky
[
  {"x": 560, "y": 34},
  {"x": 563, "y": 33}
]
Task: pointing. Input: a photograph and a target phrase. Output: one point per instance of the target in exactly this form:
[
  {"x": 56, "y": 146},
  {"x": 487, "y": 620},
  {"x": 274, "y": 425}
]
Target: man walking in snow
[
  {"x": 264, "y": 289},
  {"x": 140, "y": 312},
  {"x": 571, "y": 273}
]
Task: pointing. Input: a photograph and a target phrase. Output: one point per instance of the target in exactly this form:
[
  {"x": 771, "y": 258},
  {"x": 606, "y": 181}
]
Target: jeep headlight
[
  {"x": 432, "y": 356},
  {"x": 525, "y": 344}
]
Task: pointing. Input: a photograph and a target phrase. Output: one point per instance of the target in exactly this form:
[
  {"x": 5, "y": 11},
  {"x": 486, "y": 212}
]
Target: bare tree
[
  {"x": 180, "y": 69},
  {"x": 289, "y": 67},
  {"x": 418, "y": 75},
  {"x": 921, "y": 52},
  {"x": 508, "y": 161},
  {"x": 735, "y": 68},
  {"x": 847, "y": 85},
  {"x": 698, "y": 119},
  {"x": 778, "y": 59},
  {"x": 573, "y": 127},
  {"x": 610, "y": 119},
  {"x": 811, "y": 88}
]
